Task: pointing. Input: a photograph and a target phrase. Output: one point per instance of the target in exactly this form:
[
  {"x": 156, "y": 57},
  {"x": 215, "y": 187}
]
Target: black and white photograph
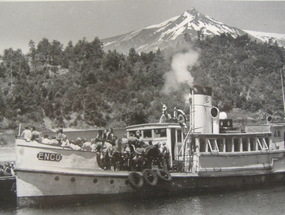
[{"x": 142, "y": 107}]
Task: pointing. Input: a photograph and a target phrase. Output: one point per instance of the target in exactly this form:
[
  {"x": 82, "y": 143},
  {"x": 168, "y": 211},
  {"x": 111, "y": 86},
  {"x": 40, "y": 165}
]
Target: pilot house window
[
  {"x": 159, "y": 133},
  {"x": 147, "y": 134},
  {"x": 179, "y": 136}
]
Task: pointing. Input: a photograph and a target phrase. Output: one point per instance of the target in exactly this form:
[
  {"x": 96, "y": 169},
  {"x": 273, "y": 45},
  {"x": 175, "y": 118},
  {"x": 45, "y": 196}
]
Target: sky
[{"x": 64, "y": 21}]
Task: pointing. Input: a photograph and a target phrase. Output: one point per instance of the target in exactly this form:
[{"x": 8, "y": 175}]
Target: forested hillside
[{"x": 81, "y": 85}]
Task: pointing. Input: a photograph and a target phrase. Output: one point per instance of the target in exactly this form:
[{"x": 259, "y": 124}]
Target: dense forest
[{"x": 82, "y": 86}]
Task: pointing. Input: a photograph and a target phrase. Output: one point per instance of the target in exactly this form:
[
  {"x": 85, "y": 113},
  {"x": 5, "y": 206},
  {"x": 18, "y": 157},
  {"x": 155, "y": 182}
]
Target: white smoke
[{"x": 180, "y": 73}]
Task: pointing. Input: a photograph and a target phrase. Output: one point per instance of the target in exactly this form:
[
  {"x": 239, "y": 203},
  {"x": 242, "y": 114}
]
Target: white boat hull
[{"x": 52, "y": 174}]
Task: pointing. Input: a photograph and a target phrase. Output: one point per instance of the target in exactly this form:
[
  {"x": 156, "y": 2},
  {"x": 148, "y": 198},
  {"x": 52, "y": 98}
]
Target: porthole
[
  {"x": 56, "y": 178},
  {"x": 72, "y": 179},
  {"x": 111, "y": 181},
  {"x": 95, "y": 180}
]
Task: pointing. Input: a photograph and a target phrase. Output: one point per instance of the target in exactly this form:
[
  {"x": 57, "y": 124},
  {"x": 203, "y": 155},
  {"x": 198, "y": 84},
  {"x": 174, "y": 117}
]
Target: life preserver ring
[
  {"x": 164, "y": 175},
  {"x": 150, "y": 177},
  {"x": 136, "y": 180}
]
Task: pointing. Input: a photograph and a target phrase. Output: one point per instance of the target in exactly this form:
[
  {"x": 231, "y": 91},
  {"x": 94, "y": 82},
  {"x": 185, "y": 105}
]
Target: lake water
[
  {"x": 261, "y": 202},
  {"x": 267, "y": 201}
]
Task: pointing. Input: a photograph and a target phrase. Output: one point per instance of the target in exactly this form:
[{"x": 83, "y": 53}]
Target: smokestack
[{"x": 203, "y": 111}]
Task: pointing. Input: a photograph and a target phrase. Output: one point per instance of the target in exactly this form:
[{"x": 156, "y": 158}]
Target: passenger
[
  {"x": 117, "y": 160},
  {"x": 132, "y": 142},
  {"x": 89, "y": 146},
  {"x": 46, "y": 139},
  {"x": 138, "y": 134},
  {"x": 110, "y": 135},
  {"x": 124, "y": 142},
  {"x": 73, "y": 146},
  {"x": 59, "y": 135},
  {"x": 165, "y": 117},
  {"x": 27, "y": 134},
  {"x": 143, "y": 143},
  {"x": 54, "y": 141},
  {"x": 104, "y": 135},
  {"x": 106, "y": 154},
  {"x": 99, "y": 136},
  {"x": 182, "y": 120},
  {"x": 65, "y": 142},
  {"x": 166, "y": 156},
  {"x": 153, "y": 156},
  {"x": 118, "y": 145},
  {"x": 139, "y": 157},
  {"x": 98, "y": 146},
  {"x": 35, "y": 135},
  {"x": 78, "y": 142}
]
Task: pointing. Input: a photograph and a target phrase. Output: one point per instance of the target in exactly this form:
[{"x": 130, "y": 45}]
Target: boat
[{"x": 207, "y": 154}]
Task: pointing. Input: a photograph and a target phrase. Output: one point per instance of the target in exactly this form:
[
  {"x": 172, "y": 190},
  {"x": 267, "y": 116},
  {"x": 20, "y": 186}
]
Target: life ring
[
  {"x": 150, "y": 177},
  {"x": 136, "y": 180},
  {"x": 164, "y": 175}
]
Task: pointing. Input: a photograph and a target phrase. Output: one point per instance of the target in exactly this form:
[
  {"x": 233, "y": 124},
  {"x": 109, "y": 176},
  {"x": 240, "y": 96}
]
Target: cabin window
[
  {"x": 212, "y": 144},
  {"x": 229, "y": 145},
  {"x": 147, "y": 134},
  {"x": 220, "y": 144},
  {"x": 259, "y": 146},
  {"x": 277, "y": 133},
  {"x": 253, "y": 144},
  {"x": 179, "y": 136},
  {"x": 159, "y": 132},
  {"x": 132, "y": 133},
  {"x": 267, "y": 142},
  {"x": 236, "y": 145},
  {"x": 202, "y": 145},
  {"x": 244, "y": 144}
]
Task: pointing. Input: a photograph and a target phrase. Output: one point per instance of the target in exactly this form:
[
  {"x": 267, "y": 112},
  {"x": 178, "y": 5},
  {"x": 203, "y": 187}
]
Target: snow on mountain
[
  {"x": 171, "y": 33},
  {"x": 268, "y": 37}
]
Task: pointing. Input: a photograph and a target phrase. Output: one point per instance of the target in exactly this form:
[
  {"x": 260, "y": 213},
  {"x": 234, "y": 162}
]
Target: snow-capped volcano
[{"x": 190, "y": 25}]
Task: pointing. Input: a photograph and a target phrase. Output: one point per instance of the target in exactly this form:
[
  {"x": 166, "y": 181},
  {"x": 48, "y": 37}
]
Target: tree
[{"x": 43, "y": 52}]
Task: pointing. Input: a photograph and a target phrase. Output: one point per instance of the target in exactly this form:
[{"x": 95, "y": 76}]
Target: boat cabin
[{"x": 170, "y": 133}]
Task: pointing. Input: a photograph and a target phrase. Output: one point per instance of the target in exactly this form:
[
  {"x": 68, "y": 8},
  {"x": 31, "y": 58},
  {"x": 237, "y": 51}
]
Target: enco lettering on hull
[{"x": 49, "y": 156}]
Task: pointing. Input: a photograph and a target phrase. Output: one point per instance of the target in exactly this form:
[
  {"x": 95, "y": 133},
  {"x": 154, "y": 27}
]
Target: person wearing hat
[{"x": 165, "y": 117}]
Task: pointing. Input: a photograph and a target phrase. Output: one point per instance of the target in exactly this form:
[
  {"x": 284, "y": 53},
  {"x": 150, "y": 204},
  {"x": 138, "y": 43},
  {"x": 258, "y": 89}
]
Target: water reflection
[{"x": 264, "y": 201}]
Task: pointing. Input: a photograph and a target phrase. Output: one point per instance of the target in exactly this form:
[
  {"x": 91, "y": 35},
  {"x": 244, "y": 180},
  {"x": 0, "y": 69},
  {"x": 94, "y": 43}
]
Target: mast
[{"x": 282, "y": 85}]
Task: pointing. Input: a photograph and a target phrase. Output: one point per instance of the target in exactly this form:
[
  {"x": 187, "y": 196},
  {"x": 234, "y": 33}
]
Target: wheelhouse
[{"x": 170, "y": 133}]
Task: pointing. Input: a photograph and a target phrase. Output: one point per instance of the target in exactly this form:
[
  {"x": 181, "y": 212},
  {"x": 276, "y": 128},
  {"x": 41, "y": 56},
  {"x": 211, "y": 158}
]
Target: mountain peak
[
  {"x": 192, "y": 11},
  {"x": 170, "y": 33}
]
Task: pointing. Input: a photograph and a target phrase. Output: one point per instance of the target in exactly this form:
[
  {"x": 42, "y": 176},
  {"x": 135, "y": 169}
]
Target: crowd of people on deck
[
  {"x": 115, "y": 153},
  {"x": 124, "y": 153}
]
